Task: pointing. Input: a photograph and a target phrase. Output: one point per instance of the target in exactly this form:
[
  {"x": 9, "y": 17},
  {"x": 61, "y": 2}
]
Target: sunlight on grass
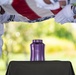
[
  {"x": 2, "y": 72},
  {"x": 2, "y": 65}
]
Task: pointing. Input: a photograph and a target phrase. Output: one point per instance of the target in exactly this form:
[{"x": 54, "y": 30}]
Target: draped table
[{"x": 40, "y": 68}]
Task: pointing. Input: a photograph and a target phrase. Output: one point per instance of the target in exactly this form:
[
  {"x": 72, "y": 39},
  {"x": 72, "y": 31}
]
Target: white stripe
[
  {"x": 10, "y": 10},
  {"x": 5, "y": 2},
  {"x": 39, "y": 11}
]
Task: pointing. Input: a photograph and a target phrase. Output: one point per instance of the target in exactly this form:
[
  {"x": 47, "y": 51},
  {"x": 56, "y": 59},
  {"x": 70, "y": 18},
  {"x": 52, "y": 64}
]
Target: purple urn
[{"x": 37, "y": 50}]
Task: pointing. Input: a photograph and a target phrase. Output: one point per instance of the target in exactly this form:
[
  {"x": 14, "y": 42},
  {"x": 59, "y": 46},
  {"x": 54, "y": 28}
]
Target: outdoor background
[{"x": 60, "y": 42}]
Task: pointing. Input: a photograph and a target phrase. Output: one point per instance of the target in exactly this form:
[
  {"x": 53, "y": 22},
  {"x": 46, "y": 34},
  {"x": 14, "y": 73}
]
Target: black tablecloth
[{"x": 40, "y": 68}]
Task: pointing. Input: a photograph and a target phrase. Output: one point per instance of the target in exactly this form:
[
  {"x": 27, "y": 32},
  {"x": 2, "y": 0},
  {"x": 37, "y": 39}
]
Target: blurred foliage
[{"x": 19, "y": 35}]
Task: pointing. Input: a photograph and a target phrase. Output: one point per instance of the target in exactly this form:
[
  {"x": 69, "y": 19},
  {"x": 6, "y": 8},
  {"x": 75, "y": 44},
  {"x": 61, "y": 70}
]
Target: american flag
[{"x": 28, "y": 10}]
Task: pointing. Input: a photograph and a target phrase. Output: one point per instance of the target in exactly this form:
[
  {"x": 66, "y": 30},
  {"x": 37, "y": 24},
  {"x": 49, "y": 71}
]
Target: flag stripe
[
  {"x": 39, "y": 11},
  {"x": 22, "y": 8},
  {"x": 27, "y": 10},
  {"x": 56, "y": 11}
]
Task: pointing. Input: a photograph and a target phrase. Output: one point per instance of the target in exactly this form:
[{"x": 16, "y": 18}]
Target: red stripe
[
  {"x": 22, "y": 8},
  {"x": 56, "y": 11}
]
